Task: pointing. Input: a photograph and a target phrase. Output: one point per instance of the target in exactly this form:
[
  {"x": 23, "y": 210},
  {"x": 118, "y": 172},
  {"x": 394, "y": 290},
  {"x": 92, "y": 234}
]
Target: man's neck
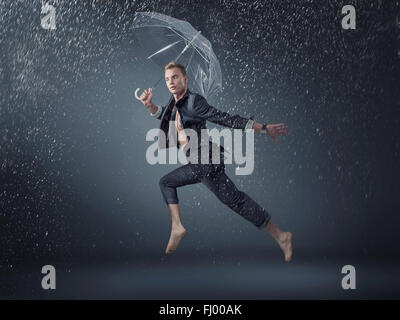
[{"x": 179, "y": 95}]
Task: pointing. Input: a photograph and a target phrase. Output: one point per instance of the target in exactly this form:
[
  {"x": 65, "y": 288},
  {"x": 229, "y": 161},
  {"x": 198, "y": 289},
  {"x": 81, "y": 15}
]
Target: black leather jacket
[{"x": 194, "y": 111}]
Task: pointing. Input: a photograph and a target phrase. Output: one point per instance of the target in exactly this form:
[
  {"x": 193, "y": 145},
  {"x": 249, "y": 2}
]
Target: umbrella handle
[
  {"x": 136, "y": 93},
  {"x": 137, "y": 90}
]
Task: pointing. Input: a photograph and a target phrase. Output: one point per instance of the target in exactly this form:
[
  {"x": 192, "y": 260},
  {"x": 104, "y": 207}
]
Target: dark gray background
[{"x": 77, "y": 192}]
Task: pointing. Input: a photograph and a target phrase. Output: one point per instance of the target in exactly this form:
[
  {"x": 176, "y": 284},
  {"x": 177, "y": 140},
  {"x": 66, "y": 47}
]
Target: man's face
[{"x": 175, "y": 80}]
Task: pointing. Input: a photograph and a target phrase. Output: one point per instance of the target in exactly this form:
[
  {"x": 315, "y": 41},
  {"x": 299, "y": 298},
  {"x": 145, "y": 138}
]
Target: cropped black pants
[{"x": 214, "y": 178}]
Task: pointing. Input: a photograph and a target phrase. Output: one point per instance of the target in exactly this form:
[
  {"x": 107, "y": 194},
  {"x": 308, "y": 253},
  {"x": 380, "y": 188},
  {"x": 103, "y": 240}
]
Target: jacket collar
[
  {"x": 171, "y": 101},
  {"x": 181, "y": 100}
]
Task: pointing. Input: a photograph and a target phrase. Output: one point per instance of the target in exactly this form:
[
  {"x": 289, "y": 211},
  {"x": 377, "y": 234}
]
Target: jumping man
[{"x": 190, "y": 110}]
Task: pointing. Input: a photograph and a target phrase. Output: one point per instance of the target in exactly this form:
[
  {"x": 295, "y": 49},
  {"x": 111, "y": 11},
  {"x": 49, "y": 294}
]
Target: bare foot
[
  {"x": 177, "y": 233},
  {"x": 285, "y": 242}
]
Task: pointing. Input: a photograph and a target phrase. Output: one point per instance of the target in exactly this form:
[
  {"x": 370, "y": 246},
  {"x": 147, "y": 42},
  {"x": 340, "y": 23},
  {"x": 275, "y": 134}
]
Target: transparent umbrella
[{"x": 165, "y": 39}]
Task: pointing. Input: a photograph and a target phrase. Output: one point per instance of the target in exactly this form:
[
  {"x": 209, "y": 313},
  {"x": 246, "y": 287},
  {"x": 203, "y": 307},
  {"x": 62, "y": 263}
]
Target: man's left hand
[{"x": 277, "y": 129}]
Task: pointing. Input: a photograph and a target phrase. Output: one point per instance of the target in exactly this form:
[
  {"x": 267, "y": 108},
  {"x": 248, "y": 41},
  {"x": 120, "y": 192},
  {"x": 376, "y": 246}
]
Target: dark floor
[{"x": 201, "y": 277}]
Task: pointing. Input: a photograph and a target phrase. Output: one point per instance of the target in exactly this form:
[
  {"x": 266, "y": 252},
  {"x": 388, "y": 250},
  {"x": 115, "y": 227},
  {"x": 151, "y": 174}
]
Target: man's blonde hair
[{"x": 176, "y": 65}]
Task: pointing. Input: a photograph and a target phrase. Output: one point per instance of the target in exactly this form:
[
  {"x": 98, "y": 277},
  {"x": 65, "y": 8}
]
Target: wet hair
[{"x": 176, "y": 65}]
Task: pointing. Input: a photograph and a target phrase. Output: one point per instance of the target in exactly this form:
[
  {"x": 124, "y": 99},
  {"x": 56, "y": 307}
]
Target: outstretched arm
[{"x": 207, "y": 112}]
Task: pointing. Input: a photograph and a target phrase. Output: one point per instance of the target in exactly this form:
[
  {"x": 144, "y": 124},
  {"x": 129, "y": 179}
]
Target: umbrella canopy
[{"x": 165, "y": 39}]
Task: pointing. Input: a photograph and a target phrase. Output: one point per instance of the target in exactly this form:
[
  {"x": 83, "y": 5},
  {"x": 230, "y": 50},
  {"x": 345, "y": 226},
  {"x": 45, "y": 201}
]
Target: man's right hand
[{"x": 146, "y": 97}]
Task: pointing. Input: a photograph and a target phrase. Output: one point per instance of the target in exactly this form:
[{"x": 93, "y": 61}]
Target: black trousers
[{"x": 215, "y": 179}]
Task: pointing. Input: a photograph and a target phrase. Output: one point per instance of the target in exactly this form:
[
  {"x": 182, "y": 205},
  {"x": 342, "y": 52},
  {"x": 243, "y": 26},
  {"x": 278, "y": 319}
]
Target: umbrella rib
[
  {"x": 177, "y": 33},
  {"x": 201, "y": 54},
  {"x": 194, "y": 46},
  {"x": 163, "y": 49}
]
